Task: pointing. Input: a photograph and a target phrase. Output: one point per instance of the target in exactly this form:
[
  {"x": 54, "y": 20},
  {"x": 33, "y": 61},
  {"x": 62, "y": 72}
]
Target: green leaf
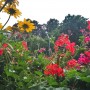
[
  {"x": 51, "y": 80},
  {"x": 86, "y": 79},
  {"x": 38, "y": 73}
]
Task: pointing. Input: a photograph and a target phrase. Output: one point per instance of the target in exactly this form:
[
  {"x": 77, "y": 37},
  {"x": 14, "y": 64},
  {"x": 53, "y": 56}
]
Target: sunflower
[
  {"x": 11, "y": 2},
  {"x": 1, "y": 4},
  {"x": 26, "y": 25},
  {"x": 12, "y": 10},
  {"x": 9, "y": 28},
  {"x": 1, "y": 25}
]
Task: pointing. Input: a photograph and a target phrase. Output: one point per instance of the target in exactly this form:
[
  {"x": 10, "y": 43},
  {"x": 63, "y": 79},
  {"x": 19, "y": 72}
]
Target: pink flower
[
  {"x": 42, "y": 50},
  {"x": 82, "y": 30},
  {"x": 83, "y": 59},
  {"x": 87, "y": 39}
]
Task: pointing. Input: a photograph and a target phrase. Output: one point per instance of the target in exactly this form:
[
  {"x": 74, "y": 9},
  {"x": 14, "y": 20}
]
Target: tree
[
  {"x": 52, "y": 24},
  {"x": 72, "y": 24}
]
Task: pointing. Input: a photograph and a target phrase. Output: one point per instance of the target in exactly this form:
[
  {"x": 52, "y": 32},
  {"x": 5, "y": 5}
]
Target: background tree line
[{"x": 48, "y": 33}]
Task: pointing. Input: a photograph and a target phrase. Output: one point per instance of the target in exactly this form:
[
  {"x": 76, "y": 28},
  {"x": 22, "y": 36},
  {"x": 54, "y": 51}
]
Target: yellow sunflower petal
[
  {"x": 1, "y": 25},
  {"x": 9, "y": 28},
  {"x": 26, "y": 25},
  {"x": 12, "y": 10}
]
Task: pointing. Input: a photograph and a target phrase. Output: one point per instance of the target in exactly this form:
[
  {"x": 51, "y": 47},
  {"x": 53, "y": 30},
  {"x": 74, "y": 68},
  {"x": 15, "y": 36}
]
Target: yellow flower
[
  {"x": 26, "y": 25},
  {"x": 9, "y": 28},
  {"x": 12, "y": 10},
  {"x": 1, "y": 4},
  {"x": 1, "y": 26}
]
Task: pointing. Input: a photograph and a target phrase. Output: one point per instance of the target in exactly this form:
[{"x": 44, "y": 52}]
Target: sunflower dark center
[
  {"x": 25, "y": 26},
  {"x": 12, "y": 11}
]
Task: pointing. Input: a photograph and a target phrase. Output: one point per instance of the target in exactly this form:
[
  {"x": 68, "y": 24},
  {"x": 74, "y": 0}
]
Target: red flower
[
  {"x": 72, "y": 63},
  {"x": 56, "y": 48},
  {"x": 5, "y": 45},
  {"x": 53, "y": 69},
  {"x": 71, "y": 47},
  {"x": 88, "y": 27},
  {"x": 88, "y": 21},
  {"x": 87, "y": 53},
  {"x": 1, "y": 51},
  {"x": 62, "y": 39},
  {"x": 24, "y": 44},
  {"x": 60, "y": 72}
]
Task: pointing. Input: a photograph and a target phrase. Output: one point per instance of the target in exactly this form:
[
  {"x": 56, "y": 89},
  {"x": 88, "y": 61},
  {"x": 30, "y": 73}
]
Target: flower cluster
[
  {"x": 84, "y": 58},
  {"x": 72, "y": 63},
  {"x": 54, "y": 69},
  {"x": 63, "y": 41}
]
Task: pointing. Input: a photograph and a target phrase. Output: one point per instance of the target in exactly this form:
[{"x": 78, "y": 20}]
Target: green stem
[
  {"x": 58, "y": 61},
  {"x": 4, "y": 5},
  {"x": 6, "y": 22},
  {"x": 58, "y": 57}
]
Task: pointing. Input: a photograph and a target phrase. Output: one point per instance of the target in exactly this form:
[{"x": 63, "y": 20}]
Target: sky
[{"x": 43, "y": 10}]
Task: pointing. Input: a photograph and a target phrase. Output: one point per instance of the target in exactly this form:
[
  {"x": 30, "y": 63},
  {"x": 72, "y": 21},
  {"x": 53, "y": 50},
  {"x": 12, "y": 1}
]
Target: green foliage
[
  {"x": 22, "y": 75},
  {"x": 37, "y": 42}
]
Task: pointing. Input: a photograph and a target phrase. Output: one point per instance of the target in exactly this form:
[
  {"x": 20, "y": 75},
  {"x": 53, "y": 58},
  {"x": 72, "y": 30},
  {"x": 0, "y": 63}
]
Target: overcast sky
[{"x": 43, "y": 10}]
